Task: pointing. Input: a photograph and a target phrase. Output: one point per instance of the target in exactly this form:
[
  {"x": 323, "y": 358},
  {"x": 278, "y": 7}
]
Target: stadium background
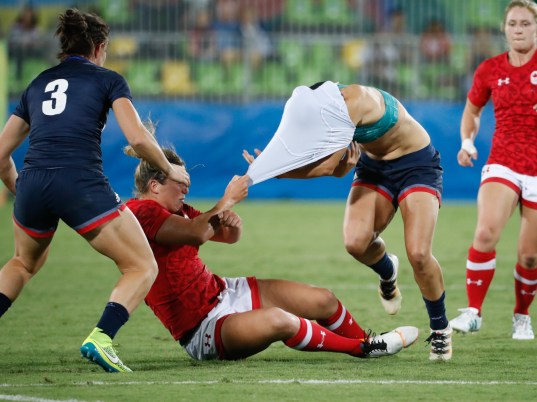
[{"x": 215, "y": 74}]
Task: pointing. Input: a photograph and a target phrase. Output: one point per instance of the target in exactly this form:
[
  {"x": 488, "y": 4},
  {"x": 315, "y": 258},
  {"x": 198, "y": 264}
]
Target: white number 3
[{"x": 59, "y": 98}]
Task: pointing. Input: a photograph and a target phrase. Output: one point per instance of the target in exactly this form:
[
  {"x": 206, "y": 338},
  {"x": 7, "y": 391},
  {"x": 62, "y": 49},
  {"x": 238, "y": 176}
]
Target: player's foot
[
  {"x": 467, "y": 321},
  {"x": 98, "y": 348},
  {"x": 440, "y": 341},
  {"x": 522, "y": 329},
  {"x": 390, "y": 343},
  {"x": 389, "y": 293}
]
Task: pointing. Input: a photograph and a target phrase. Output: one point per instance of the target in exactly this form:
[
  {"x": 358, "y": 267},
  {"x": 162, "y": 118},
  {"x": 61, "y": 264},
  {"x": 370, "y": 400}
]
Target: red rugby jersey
[
  {"x": 514, "y": 93},
  {"x": 185, "y": 290}
]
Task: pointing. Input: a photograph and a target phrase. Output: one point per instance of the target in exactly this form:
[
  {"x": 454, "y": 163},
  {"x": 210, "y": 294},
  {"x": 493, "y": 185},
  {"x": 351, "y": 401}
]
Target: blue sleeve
[
  {"x": 22, "y": 108},
  {"x": 119, "y": 88}
]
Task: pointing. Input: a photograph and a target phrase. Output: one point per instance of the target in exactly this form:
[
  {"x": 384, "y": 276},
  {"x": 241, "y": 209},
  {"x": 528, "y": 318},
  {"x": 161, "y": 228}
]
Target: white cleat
[
  {"x": 389, "y": 293},
  {"x": 390, "y": 343},
  {"x": 468, "y": 321},
  {"x": 522, "y": 329},
  {"x": 441, "y": 346}
]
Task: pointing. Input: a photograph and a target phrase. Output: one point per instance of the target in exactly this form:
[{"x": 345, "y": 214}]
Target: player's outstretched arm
[{"x": 143, "y": 142}]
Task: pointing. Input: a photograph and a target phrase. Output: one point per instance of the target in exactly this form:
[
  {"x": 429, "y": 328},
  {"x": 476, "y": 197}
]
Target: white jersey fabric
[{"x": 315, "y": 124}]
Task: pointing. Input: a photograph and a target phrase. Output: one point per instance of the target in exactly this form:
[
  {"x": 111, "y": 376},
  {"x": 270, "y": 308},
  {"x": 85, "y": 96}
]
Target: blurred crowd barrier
[{"x": 243, "y": 50}]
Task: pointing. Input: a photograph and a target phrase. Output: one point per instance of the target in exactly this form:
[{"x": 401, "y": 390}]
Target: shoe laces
[
  {"x": 523, "y": 322},
  {"x": 388, "y": 289},
  {"x": 438, "y": 341},
  {"x": 370, "y": 345}
]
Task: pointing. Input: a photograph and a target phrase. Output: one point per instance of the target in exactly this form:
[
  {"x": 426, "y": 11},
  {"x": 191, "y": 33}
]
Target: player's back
[{"x": 66, "y": 107}]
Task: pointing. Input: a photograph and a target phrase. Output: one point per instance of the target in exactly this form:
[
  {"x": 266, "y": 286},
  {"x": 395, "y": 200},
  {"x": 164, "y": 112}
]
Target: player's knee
[
  {"x": 356, "y": 246},
  {"x": 27, "y": 268},
  {"x": 148, "y": 270},
  {"x": 281, "y": 322},
  {"x": 419, "y": 258},
  {"x": 152, "y": 271},
  {"x": 325, "y": 302},
  {"x": 527, "y": 260},
  {"x": 486, "y": 236}
]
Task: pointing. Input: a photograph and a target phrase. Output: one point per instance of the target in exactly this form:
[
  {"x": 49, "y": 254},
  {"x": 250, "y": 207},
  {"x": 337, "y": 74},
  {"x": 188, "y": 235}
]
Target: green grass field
[{"x": 41, "y": 333}]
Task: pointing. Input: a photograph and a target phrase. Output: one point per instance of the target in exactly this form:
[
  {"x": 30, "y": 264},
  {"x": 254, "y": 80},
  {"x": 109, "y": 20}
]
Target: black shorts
[
  {"x": 83, "y": 199},
  {"x": 395, "y": 179}
]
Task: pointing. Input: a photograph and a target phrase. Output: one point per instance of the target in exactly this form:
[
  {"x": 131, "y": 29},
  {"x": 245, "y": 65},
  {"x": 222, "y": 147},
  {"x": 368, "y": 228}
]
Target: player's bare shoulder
[{"x": 356, "y": 99}]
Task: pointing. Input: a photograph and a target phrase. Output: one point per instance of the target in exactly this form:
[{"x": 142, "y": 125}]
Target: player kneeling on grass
[{"x": 233, "y": 318}]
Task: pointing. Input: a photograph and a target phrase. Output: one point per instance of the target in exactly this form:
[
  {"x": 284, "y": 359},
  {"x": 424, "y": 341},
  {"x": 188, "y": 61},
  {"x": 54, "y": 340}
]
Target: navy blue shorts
[
  {"x": 397, "y": 178},
  {"x": 81, "y": 198}
]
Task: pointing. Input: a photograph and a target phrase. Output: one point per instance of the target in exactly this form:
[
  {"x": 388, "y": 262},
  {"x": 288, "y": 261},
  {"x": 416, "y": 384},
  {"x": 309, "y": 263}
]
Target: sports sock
[
  {"x": 311, "y": 337},
  {"x": 525, "y": 288},
  {"x": 5, "y": 303},
  {"x": 480, "y": 268},
  {"x": 343, "y": 323},
  {"x": 383, "y": 267},
  {"x": 113, "y": 318},
  {"x": 437, "y": 313}
]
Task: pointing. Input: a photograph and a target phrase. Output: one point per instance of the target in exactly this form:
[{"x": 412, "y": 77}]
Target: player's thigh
[
  {"x": 301, "y": 299},
  {"x": 420, "y": 213},
  {"x": 367, "y": 211},
  {"x": 123, "y": 240},
  {"x": 495, "y": 205},
  {"x": 31, "y": 251}
]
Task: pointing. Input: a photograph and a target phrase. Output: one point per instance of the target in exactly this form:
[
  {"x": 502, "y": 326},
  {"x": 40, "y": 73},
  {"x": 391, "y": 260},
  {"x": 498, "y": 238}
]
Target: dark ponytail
[{"x": 80, "y": 33}]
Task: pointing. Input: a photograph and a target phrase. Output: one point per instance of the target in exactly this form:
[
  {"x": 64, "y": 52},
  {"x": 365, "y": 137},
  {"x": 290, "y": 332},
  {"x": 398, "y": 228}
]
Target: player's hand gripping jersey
[{"x": 315, "y": 124}]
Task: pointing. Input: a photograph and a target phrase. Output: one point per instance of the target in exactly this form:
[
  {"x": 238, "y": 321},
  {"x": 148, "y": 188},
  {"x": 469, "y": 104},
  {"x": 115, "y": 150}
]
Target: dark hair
[
  {"x": 80, "y": 33},
  {"x": 317, "y": 85}
]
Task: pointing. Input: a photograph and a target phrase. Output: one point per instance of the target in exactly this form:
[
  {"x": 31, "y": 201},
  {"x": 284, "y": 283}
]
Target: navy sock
[
  {"x": 113, "y": 318},
  {"x": 437, "y": 313},
  {"x": 384, "y": 267},
  {"x": 5, "y": 303}
]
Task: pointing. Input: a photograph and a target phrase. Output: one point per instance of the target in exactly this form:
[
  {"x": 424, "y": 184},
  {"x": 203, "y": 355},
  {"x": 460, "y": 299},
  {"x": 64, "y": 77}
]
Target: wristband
[{"x": 468, "y": 146}]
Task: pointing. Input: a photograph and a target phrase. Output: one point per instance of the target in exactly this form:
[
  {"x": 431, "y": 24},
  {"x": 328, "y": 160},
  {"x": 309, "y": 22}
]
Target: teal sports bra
[{"x": 372, "y": 132}]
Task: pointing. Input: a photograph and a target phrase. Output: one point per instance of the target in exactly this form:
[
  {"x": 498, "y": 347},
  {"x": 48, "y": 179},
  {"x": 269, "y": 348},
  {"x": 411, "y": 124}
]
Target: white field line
[
  {"x": 374, "y": 286},
  {"x": 272, "y": 381},
  {"x": 24, "y": 398}
]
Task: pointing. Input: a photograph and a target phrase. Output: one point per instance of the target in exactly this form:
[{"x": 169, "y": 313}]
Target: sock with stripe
[
  {"x": 343, "y": 323},
  {"x": 113, "y": 318},
  {"x": 480, "y": 268},
  {"x": 311, "y": 337},
  {"x": 525, "y": 288}
]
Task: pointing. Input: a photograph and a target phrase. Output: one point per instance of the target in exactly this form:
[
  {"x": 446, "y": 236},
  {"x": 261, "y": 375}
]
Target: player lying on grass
[{"x": 233, "y": 318}]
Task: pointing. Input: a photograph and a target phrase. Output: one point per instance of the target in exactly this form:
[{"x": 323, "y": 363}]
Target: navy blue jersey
[{"x": 66, "y": 107}]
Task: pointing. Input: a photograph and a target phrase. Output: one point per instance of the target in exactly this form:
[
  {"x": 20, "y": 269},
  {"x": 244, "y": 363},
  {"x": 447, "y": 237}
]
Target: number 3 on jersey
[{"x": 59, "y": 98}]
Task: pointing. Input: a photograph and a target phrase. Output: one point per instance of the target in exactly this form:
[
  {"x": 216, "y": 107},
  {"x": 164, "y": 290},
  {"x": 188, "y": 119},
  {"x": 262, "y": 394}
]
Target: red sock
[
  {"x": 525, "y": 288},
  {"x": 343, "y": 323},
  {"x": 312, "y": 337},
  {"x": 480, "y": 268}
]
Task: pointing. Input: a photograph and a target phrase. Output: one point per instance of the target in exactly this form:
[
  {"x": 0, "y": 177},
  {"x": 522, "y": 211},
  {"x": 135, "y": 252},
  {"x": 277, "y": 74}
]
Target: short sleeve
[
  {"x": 480, "y": 91},
  {"x": 22, "y": 108},
  {"x": 150, "y": 214},
  {"x": 119, "y": 88}
]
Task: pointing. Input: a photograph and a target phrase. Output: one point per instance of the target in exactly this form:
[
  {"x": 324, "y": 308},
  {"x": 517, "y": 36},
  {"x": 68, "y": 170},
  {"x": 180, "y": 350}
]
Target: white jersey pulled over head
[{"x": 315, "y": 124}]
